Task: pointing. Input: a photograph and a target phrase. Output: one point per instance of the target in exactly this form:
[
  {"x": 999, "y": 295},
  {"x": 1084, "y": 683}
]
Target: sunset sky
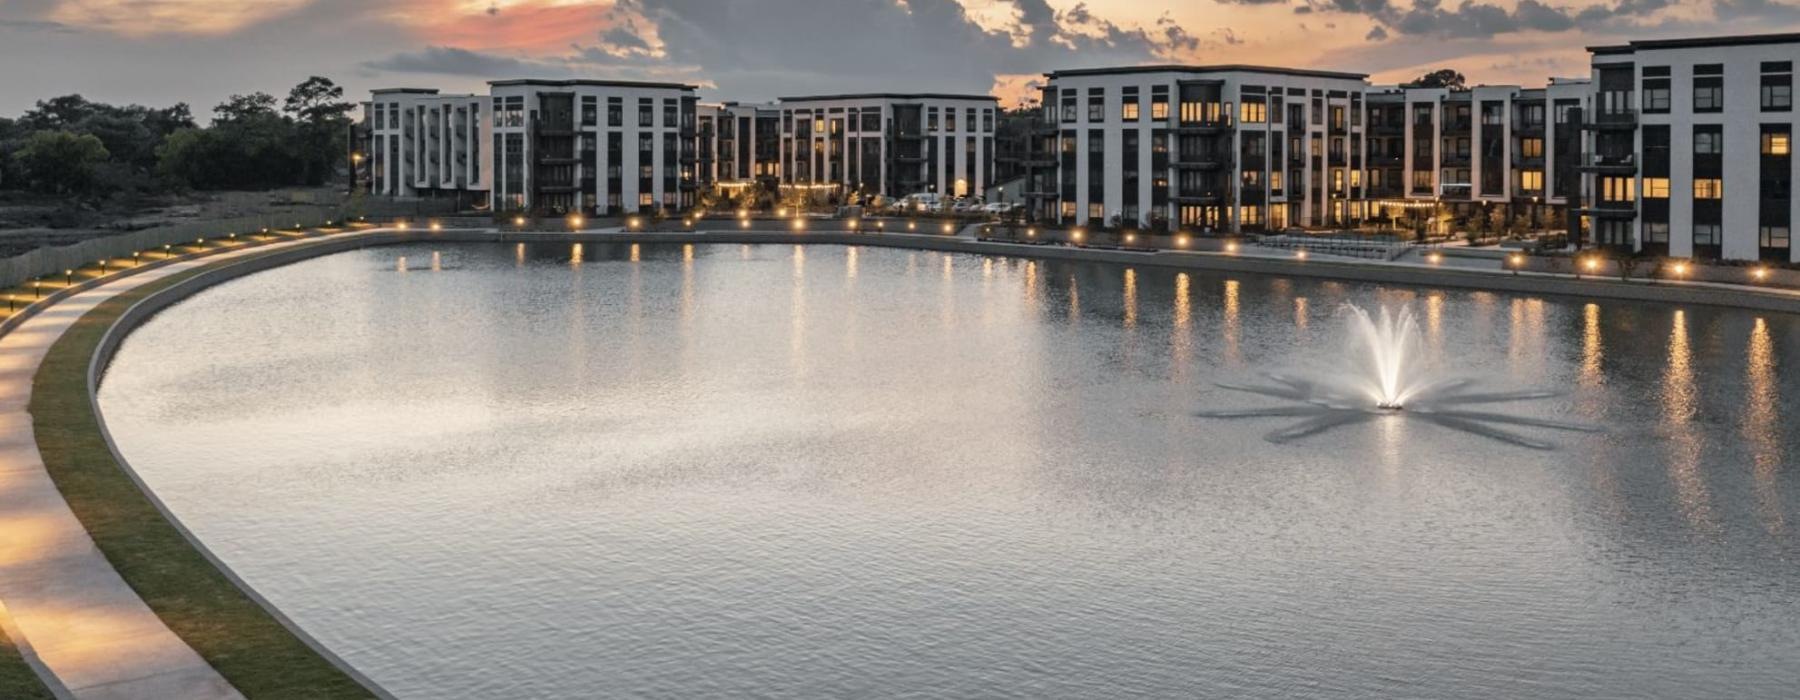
[{"x": 157, "y": 52}]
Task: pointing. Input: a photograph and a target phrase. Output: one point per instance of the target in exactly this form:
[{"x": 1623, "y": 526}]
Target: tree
[
  {"x": 1441, "y": 78},
  {"x": 322, "y": 118},
  {"x": 60, "y": 162},
  {"x": 239, "y": 109},
  {"x": 57, "y": 113}
]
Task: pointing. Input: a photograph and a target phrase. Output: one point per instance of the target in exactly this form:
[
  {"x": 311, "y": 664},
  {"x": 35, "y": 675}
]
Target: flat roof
[
  {"x": 1221, "y": 68},
  {"x": 572, "y": 82},
  {"x": 889, "y": 96},
  {"x": 414, "y": 91},
  {"x": 1698, "y": 42}
]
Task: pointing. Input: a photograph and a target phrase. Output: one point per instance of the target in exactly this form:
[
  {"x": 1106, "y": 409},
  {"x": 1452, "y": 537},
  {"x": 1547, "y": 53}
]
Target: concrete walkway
[{"x": 86, "y": 626}]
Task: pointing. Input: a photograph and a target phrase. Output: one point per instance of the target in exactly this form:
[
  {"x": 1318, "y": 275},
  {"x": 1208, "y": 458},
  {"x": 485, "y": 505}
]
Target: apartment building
[
  {"x": 1205, "y": 147},
  {"x": 888, "y": 144},
  {"x": 596, "y": 146},
  {"x": 423, "y": 144},
  {"x": 739, "y": 144},
  {"x": 1690, "y": 147}
]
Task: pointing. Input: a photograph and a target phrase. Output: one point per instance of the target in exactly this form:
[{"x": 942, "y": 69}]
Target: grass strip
[{"x": 250, "y": 648}]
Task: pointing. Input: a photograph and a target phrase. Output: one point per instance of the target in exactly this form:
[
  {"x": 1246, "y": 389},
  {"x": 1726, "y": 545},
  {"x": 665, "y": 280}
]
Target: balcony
[
  {"x": 1461, "y": 191},
  {"x": 1611, "y": 209},
  {"x": 1612, "y": 119},
  {"x": 1452, "y": 159},
  {"x": 1199, "y": 197},
  {"x": 1203, "y": 127},
  {"x": 1609, "y": 163},
  {"x": 1201, "y": 162}
]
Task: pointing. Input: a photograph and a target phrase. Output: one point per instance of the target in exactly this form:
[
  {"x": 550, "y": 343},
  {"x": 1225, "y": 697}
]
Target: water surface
[{"x": 855, "y": 472}]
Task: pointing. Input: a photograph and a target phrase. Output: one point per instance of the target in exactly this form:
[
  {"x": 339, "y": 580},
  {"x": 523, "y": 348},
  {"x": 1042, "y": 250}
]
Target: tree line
[{"x": 72, "y": 146}]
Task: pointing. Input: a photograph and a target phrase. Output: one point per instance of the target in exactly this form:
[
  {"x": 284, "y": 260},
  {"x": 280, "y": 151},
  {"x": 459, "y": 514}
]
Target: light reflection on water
[{"x": 699, "y": 471}]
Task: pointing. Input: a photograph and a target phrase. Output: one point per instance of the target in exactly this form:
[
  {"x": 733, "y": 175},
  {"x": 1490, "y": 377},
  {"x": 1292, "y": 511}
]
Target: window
[
  {"x": 1656, "y": 232},
  {"x": 1275, "y": 180},
  {"x": 1777, "y": 93},
  {"x": 1617, "y": 189},
  {"x": 1656, "y": 188},
  {"x": 1096, "y": 104},
  {"x": 1250, "y": 216},
  {"x": 1159, "y": 105},
  {"x": 1775, "y": 143},
  {"x": 590, "y": 110},
  {"x": 1531, "y": 180},
  {"x": 949, "y": 119},
  {"x": 1068, "y": 108},
  {"x": 1252, "y": 179},
  {"x": 646, "y": 112},
  {"x": 1708, "y": 143},
  {"x": 1656, "y": 95},
  {"x": 1709, "y": 94},
  {"x": 1706, "y": 234},
  {"x": 1128, "y": 103},
  {"x": 615, "y": 111},
  {"x": 1773, "y": 237},
  {"x": 1531, "y": 147},
  {"x": 1708, "y": 188},
  {"x": 1253, "y": 112}
]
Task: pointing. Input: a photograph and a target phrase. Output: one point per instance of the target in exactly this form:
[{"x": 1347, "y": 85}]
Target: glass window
[
  {"x": 1254, "y": 112},
  {"x": 1656, "y": 187},
  {"x": 1708, "y": 188},
  {"x": 1775, "y": 143},
  {"x": 1709, "y": 94},
  {"x": 1706, "y": 234},
  {"x": 1773, "y": 237},
  {"x": 1708, "y": 143},
  {"x": 1531, "y": 180}
]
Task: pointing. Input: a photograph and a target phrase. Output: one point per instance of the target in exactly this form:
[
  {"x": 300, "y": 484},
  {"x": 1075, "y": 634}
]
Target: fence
[
  {"x": 38, "y": 262},
  {"x": 1376, "y": 247}
]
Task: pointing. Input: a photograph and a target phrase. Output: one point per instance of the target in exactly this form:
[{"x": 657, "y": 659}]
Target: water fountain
[{"x": 1386, "y": 372}]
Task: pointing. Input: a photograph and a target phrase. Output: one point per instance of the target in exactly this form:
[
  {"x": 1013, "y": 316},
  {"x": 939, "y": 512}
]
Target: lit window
[
  {"x": 1253, "y": 112},
  {"x": 1531, "y": 180},
  {"x": 1775, "y": 143},
  {"x": 1656, "y": 187},
  {"x": 1708, "y": 188}
]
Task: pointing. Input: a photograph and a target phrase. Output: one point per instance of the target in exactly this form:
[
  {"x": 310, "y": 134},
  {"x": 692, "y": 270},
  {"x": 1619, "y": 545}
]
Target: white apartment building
[
  {"x": 739, "y": 144},
  {"x": 888, "y": 144},
  {"x": 1690, "y": 153},
  {"x": 1203, "y": 147},
  {"x": 596, "y": 146},
  {"x": 422, "y": 143}
]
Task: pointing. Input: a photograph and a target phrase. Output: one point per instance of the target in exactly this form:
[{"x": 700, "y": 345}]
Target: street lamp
[{"x": 68, "y": 278}]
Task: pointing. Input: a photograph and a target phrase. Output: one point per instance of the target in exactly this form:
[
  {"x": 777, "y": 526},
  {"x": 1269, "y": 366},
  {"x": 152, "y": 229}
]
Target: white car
[{"x": 996, "y": 208}]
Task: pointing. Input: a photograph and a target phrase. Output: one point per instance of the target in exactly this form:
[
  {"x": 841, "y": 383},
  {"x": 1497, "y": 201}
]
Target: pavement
[{"x": 84, "y": 624}]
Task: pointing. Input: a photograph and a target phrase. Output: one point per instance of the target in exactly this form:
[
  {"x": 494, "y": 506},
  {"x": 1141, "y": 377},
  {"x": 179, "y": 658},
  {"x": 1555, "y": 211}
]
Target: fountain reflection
[{"x": 1386, "y": 376}]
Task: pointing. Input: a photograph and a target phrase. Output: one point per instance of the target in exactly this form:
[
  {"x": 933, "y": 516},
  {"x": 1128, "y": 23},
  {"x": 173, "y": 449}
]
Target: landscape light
[
  {"x": 1031, "y": 233},
  {"x": 1681, "y": 269},
  {"x": 575, "y": 221},
  {"x": 853, "y": 224},
  {"x": 632, "y": 223},
  {"x": 518, "y": 221},
  {"x": 799, "y": 224},
  {"x": 1434, "y": 258},
  {"x": 744, "y": 223},
  {"x": 1231, "y": 247},
  {"x": 1075, "y": 235},
  {"x": 1300, "y": 254},
  {"x": 400, "y": 225},
  {"x": 435, "y": 226},
  {"x": 1181, "y": 241},
  {"x": 1129, "y": 237},
  {"x": 1761, "y": 273},
  {"x": 912, "y": 225},
  {"x": 1591, "y": 264},
  {"x": 68, "y": 277},
  {"x": 949, "y": 228}
]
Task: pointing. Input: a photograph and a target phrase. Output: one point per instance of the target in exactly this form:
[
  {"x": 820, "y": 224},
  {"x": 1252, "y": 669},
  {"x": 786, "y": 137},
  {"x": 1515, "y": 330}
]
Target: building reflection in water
[
  {"x": 1680, "y": 404},
  {"x": 1762, "y": 426}
]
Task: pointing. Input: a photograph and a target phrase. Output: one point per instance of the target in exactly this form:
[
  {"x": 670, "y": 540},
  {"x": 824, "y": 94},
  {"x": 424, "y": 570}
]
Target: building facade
[
  {"x": 423, "y": 144},
  {"x": 891, "y": 145},
  {"x": 595, "y": 146},
  {"x": 1690, "y": 147}
]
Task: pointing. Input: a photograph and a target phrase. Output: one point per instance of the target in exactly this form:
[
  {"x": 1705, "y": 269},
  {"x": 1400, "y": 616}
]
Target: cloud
[
  {"x": 1377, "y": 33},
  {"x": 1476, "y": 19},
  {"x": 139, "y": 18},
  {"x": 446, "y": 60}
]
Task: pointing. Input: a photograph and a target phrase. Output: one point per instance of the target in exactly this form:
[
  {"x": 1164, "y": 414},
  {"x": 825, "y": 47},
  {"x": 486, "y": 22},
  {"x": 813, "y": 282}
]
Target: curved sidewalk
[{"x": 81, "y": 621}]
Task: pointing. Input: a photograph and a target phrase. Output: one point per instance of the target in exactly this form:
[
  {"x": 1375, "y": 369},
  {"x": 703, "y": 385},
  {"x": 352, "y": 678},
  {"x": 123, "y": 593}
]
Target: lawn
[{"x": 251, "y": 649}]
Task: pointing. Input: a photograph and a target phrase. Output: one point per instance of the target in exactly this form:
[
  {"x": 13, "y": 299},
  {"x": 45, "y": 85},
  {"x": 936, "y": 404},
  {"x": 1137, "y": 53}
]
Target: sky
[{"x": 158, "y": 52}]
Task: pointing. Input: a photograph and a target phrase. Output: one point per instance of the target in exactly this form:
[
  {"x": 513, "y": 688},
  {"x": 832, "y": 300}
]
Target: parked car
[
  {"x": 922, "y": 202},
  {"x": 996, "y": 208}
]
